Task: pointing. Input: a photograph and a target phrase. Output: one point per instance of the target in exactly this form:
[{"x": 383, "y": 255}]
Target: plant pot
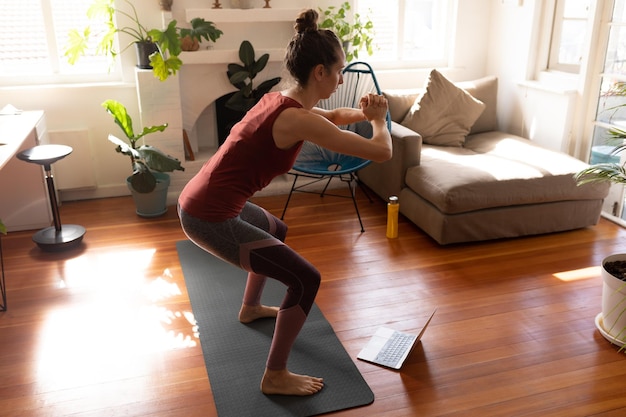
[
  {"x": 189, "y": 44},
  {"x": 152, "y": 204},
  {"x": 612, "y": 321},
  {"x": 144, "y": 50},
  {"x": 166, "y": 5}
]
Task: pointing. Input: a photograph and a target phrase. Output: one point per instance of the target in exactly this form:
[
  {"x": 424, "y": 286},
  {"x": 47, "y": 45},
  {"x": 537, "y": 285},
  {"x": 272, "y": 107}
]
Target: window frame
[
  {"x": 557, "y": 18},
  {"x": 54, "y": 75},
  {"x": 447, "y": 22}
]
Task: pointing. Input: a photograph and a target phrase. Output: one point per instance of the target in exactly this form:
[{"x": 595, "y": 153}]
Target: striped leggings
[{"x": 254, "y": 241}]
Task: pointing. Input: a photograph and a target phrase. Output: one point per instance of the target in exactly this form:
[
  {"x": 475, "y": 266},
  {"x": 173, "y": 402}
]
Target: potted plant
[
  {"x": 242, "y": 77},
  {"x": 149, "y": 164},
  {"x": 231, "y": 108},
  {"x": 612, "y": 321},
  {"x": 200, "y": 29},
  {"x": 355, "y": 36},
  {"x": 156, "y": 49}
]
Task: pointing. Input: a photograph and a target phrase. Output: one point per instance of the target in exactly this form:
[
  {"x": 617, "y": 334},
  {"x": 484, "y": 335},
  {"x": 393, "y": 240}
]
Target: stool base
[{"x": 50, "y": 240}]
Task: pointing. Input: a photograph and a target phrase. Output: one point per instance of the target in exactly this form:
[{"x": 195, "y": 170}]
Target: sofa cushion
[
  {"x": 444, "y": 114},
  {"x": 400, "y": 102},
  {"x": 484, "y": 89},
  {"x": 495, "y": 169}
]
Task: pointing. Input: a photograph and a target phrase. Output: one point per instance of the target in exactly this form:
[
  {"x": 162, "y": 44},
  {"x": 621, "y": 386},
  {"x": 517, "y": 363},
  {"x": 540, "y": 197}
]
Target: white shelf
[
  {"x": 226, "y": 56},
  {"x": 244, "y": 15}
]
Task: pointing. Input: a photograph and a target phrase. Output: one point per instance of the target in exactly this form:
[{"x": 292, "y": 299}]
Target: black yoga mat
[{"x": 235, "y": 353}]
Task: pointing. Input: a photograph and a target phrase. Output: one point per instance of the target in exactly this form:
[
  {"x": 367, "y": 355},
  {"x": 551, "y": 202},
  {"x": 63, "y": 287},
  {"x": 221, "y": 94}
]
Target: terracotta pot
[{"x": 189, "y": 44}]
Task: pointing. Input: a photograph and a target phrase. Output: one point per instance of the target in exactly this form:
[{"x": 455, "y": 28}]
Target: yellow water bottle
[{"x": 393, "y": 207}]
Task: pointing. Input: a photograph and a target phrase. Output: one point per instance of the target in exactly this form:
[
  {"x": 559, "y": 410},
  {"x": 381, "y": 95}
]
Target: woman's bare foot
[
  {"x": 285, "y": 383},
  {"x": 248, "y": 314}
]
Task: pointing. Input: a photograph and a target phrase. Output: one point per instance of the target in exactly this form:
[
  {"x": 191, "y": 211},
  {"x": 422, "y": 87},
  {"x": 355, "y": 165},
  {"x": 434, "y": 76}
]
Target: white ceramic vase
[{"x": 612, "y": 324}]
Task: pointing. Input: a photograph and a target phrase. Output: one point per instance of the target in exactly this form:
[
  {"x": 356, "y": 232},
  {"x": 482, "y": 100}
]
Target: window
[
  {"x": 408, "y": 32},
  {"x": 569, "y": 31},
  {"x": 610, "y": 113},
  {"x": 33, "y": 35}
]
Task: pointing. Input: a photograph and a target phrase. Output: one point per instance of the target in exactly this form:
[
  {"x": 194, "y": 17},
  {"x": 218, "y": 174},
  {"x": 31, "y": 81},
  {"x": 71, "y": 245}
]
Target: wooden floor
[{"x": 107, "y": 329}]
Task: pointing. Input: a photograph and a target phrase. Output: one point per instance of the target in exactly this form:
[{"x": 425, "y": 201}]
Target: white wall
[
  {"x": 512, "y": 27},
  {"x": 490, "y": 38},
  {"x": 533, "y": 103}
]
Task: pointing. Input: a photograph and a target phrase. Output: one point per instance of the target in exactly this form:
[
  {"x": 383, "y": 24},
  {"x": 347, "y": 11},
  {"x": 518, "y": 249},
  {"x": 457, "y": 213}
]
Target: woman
[{"x": 214, "y": 209}]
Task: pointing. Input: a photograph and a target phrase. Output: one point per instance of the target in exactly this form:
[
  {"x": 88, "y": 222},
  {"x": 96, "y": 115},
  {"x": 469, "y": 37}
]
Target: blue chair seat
[{"x": 319, "y": 163}]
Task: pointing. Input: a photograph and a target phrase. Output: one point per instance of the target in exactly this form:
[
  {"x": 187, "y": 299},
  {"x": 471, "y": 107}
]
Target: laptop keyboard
[{"x": 395, "y": 347}]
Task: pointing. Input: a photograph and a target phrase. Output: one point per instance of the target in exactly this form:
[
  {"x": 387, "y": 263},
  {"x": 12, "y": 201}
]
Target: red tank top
[{"x": 246, "y": 163}]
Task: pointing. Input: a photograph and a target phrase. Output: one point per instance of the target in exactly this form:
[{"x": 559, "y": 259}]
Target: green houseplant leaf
[
  {"x": 355, "y": 35},
  {"x": 165, "y": 62},
  {"x": 201, "y": 29},
  {"x": 242, "y": 76},
  {"x": 145, "y": 158}
]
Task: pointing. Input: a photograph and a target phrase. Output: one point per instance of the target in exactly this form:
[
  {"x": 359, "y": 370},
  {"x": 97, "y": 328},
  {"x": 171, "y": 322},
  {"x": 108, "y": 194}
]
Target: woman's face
[{"x": 334, "y": 76}]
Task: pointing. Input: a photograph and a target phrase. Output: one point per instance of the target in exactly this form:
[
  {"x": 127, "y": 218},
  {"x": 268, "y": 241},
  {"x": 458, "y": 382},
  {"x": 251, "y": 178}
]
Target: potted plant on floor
[
  {"x": 149, "y": 180},
  {"x": 232, "y": 107},
  {"x": 612, "y": 321},
  {"x": 356, "y": 35}
]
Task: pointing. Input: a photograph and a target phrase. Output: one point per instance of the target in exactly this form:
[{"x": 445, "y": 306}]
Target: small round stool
[{"x": 57, "y": 237}]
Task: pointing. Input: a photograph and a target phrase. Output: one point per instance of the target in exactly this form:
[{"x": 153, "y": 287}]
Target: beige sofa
[{"x": 459, "y": 179}]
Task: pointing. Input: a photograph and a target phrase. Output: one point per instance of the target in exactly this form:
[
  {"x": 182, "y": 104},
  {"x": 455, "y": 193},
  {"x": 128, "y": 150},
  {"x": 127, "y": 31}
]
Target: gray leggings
[{"x": 254, "y": 241}]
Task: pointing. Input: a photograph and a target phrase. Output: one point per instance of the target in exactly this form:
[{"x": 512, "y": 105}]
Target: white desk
[{"x": 24, "y": 201}]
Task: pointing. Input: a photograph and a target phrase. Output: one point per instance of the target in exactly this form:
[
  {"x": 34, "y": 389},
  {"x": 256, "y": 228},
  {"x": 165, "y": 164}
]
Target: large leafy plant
[
  {"x": 242, "y": 76},
  {"x": 616, "y": 137},
  {"x": 165, "y": 61},
  {"x": 356, "y": 35},
  {"x": 144, "y": 158},
  {"x": 615, "y": 173},
  {"x": 200, "y": 29}
]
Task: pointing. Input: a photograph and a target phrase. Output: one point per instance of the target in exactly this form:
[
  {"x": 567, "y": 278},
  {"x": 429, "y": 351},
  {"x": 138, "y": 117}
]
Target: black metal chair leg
[{"x": 352, "y": 187}]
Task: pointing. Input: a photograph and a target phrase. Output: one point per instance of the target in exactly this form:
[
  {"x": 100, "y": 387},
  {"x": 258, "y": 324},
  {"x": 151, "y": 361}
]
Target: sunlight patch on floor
[
  {"x": 114, "y": 323},
  {"x": 578, "y": 274}
]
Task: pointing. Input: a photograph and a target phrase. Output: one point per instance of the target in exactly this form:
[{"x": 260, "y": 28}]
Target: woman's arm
[
  {"x": 294, "y": 125},
  {"x": 341, "y": 116}
]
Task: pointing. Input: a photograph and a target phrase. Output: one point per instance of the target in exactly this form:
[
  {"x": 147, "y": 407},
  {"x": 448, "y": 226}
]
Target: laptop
[{"x": 390, "y": 348}]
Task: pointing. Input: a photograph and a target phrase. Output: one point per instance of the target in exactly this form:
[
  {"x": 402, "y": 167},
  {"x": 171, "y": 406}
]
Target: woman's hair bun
[{"x": 306, "y": 21}]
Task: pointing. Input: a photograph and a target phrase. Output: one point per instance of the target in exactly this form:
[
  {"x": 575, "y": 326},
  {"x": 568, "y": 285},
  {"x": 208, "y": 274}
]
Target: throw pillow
[
  {"x": 486, "y": 90},
  {"x": 400, "y": 101},
  {"x": 444, "y": 114}
]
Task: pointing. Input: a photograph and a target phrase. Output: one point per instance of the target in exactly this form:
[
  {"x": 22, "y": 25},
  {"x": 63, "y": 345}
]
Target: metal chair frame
[{"x": 335, "y": 165}]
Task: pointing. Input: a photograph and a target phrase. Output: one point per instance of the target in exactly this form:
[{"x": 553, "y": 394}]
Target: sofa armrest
[{"x": 387, "y": 178}]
